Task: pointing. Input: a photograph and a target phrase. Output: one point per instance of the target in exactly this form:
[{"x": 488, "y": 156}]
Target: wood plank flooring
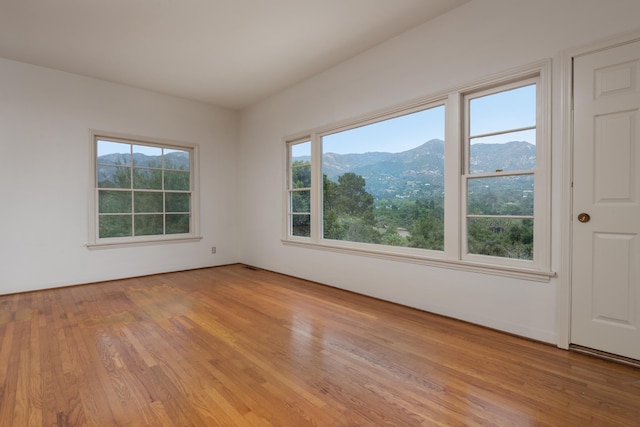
[{"x": 232, "y": 346}]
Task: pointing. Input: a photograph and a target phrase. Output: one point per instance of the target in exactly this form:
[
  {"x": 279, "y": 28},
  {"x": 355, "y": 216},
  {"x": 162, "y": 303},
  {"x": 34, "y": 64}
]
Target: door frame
[{"x": 563, "y": 298}]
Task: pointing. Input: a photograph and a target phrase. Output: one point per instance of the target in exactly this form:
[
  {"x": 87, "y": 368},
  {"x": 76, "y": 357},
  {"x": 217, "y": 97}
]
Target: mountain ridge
[{"x": 419, "y": 172}]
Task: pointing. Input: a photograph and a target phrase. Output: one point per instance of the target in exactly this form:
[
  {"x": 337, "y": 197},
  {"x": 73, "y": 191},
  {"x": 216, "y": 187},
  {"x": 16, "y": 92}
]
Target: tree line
[{"x": 350, "y": 213}]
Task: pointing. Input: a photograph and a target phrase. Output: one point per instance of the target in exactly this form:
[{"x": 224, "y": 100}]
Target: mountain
[
  {"x": 515, "y": 155},
  {"x": 419, "y": 172},
  {"x": 177, "y": 159},
  {"x": 107, "y": 173}
]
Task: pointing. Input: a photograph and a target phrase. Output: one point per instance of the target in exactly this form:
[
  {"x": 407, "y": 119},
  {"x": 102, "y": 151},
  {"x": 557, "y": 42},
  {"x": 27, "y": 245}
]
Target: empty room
[{"x": 320, "y": 212}]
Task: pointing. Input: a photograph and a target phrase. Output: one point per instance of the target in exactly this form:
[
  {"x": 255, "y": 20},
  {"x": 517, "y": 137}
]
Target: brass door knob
[{"x": 584, "y": 217}]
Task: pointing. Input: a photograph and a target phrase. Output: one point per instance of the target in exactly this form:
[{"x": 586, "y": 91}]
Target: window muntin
[
  {"x": 143, "y": 191},
  {"x": 500, "y": 170},
  {"x": 369, "y": 196}
]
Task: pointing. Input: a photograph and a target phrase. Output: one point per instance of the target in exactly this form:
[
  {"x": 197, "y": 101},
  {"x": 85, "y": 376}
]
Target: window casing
[
  {"x": 502, "y": 198},
  {"x": 143, "y": 191}
]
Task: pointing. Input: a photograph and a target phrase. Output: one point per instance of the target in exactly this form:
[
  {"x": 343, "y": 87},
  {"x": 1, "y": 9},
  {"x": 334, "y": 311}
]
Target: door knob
[{"x": 584, "y": 217}]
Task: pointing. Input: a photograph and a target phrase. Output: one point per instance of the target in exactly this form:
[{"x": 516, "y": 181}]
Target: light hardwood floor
[{"x": 234, "y": 346}]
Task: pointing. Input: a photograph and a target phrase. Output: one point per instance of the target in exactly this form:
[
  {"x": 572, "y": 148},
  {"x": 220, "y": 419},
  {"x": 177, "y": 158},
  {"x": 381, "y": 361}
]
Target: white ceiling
[{"x": 230, "y": 53}]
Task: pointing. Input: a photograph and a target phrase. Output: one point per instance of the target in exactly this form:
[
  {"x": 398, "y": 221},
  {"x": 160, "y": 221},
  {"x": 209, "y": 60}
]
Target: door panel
[
  {"x": 614, "y": 151},
  {"x": 605, "y": 293},
  {"x": 613, "y": 300}
]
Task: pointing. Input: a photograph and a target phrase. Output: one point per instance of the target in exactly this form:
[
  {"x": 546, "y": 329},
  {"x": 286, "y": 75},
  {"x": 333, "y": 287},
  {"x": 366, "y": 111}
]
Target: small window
[
  {"x": 299, "y": 189},
  {"x": 143, "y": 191}
]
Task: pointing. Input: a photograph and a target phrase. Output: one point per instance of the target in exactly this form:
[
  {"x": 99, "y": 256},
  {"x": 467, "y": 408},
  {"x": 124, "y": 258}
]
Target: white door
[{"x": 605, "y": 289}]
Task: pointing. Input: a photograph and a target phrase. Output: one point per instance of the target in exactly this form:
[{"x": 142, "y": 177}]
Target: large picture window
[
  {"x": 383, "y": 182},
  {"x": 460, "y": 180},
  {"x": 143, "y": 191}
]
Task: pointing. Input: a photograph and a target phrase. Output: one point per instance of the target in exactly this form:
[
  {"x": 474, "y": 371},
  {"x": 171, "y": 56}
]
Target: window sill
[
  {"x": 491, "y": 269},
  {"x": 146, "y": 242}
]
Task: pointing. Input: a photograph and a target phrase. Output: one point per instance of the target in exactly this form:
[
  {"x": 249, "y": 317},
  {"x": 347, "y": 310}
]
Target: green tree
[
  {"x": 348, "y": 210},
  {"x": 427, "y": 233},
  {"x": 353, "y": 198}
]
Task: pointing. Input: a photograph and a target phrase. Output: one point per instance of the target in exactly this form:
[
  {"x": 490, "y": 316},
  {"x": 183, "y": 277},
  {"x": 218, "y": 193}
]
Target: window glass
[
  {"x": 177, "y": 224},
  {"x": 511, "y": 151},
  {"x": 177, "y": 180},
  {"x": 177, "y": 202},
  {"x": 114, "y": 201},
  {"x": 147, "y": 201},
  {"x": 114, "y": 176},
  {"x": 177, "y": 160},
  {"x": 114, "y": 226},
  {"x": 504, "y": 110},
  {"x": 501, "y": 237},
  {"x": 300, "y": 201},
  {"x": 301, "y": 225},
  {"x": 383, "y": 183},
  {"x": 504, "y": 195},
  {"x": 301, "y": 165},
  {"x": 113, "y": 153},
  {"x": 149, "y": 179},
  {"x": 148, "y": 225},
  {"x": 146, "y": 156}
]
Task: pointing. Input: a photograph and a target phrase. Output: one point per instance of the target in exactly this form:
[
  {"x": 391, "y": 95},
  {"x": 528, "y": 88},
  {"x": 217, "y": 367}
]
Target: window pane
[
  {"x": 177, "y": 224},
  {"x": 148, "y": 225},
  {"x": 301, "y": 225},
  {"x": 301, "y": 174},
  {"x": 383, "y": 183},
  {"x": 147, "y": 179},
  {"x": 504, "y": 195},
  {"x": 114, "y": 226},
  {"x": 511, "y": 109},
  {"x": 176, "y": 159},
  {"x": 177, "y": 180},
  {"x": 300, "y": 157},
  {"x": 301, "y": 201},
  {"x": 177, "y": 202},
  {"x": 114, "y": 177},
  {"x": 114, "y": 201},
  {"x": 501, "y": 237},
  {"x": 508, "y": 152},
  {"x": 113, "y": 153},
  {"x": 147, "y": 202},
  {"x": 301, "y": 151},
  {"x": 147, "y": 156}
]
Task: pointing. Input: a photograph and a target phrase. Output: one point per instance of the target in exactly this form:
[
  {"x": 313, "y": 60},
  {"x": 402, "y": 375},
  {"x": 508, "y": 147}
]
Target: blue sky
[
  {"x": 391, "y": 136},
  {"x": 110, "y": 147},
  {"x": 513, "y": 109}
]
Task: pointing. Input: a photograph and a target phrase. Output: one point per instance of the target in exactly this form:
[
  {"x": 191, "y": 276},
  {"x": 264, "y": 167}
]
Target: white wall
[
  {"x": 472, "y": 42},
  {"x": 45, "y": 117}
]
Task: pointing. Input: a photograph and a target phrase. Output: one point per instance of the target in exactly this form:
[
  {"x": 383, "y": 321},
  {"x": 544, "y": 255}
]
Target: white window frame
[
  {"x": 94, "y": 241},
  {"x": 454, "y": 255},
  {"x": 540, "y": 170},
  {"x": 290, "y": 190}
]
